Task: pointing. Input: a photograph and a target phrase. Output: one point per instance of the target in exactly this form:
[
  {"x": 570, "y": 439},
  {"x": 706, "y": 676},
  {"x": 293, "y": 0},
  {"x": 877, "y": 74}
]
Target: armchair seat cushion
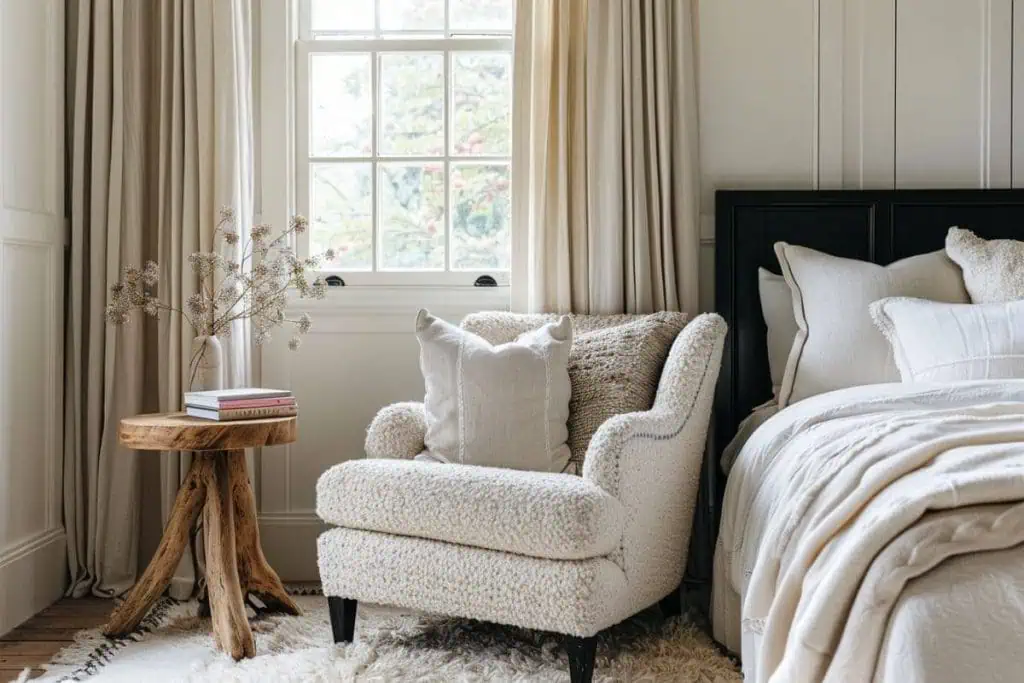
[{"x": 538, "y": 514}]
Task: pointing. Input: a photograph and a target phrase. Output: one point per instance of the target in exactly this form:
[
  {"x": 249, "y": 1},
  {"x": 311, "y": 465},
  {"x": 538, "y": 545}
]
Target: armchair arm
[
  {"x": 651, "y": 461},
  {"x": 397, "y": 432}
]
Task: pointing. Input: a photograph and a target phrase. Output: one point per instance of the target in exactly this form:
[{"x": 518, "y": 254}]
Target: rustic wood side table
[{"x": 235, "y": 564}]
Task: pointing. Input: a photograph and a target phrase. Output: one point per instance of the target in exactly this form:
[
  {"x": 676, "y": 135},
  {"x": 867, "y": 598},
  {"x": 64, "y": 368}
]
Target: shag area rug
[{"x": 174, "y": 644}]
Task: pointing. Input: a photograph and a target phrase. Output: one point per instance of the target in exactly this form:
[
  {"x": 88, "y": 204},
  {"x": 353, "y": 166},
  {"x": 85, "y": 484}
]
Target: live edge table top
[{"x": 179, "y": 432}]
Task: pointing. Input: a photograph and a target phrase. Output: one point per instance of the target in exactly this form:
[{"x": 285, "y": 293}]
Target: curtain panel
[
  {"x": 160, "y": 136},
  {"x": 605, "y": 214}
]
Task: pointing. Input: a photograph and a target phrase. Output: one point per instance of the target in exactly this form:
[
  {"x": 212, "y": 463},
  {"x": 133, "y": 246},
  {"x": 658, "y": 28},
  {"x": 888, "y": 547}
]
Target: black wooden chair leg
[
  {"x": 672, "y": 604},
  {"x": 343, "y": 618},
  {"x": 581, "y": 653}
]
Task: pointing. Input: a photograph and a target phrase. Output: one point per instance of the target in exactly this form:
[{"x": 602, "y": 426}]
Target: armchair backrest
[
  {"x": 611, "y": 373},
  {"x": 501, "y": 327}
]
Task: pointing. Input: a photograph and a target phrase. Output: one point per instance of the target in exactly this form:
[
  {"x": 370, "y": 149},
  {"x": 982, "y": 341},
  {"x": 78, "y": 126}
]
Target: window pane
[
  {"x": 342, "y": 15},
  {"x": 480, "y": 216},
  {"x": 342, "y": 202},
  {"x": 412, "y": 216},
  {"x": 412, "y": 104},
  {"x": 481, "y": 94},
  {"x": 340, "y": 105},
  {"x": 482, "y": 15},
  {"x": 411, "y": 15}
]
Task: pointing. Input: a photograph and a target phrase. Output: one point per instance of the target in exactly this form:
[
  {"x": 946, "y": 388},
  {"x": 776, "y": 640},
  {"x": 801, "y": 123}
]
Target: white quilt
[{"x": 837, "y": 515}]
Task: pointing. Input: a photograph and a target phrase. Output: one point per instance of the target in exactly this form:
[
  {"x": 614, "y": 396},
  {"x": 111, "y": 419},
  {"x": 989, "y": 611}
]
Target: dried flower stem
[{"x": 235, "y": 289}]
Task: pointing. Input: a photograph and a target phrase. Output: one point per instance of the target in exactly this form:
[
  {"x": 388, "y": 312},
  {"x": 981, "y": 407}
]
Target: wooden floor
[{"x": 38, "y": 639}]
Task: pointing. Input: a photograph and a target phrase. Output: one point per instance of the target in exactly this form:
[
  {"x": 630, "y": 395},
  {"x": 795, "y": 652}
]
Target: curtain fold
[
  {"x": 159, "y": 138},
  {"x": 605, "y": 169}
]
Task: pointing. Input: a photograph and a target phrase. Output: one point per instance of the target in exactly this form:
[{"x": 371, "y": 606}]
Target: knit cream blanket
[{"x": 835, "y": 507}]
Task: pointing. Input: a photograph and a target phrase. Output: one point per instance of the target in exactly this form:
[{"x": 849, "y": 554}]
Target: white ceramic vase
[{"x": 207, "y": 370}]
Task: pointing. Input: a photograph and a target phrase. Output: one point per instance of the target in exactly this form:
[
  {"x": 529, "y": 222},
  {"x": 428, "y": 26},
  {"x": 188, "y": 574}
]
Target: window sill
[{"x": 404, "y": 299}]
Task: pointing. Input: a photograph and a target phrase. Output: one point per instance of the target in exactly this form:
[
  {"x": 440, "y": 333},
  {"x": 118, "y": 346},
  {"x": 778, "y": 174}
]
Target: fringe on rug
[{"x": 95, "y": 649}]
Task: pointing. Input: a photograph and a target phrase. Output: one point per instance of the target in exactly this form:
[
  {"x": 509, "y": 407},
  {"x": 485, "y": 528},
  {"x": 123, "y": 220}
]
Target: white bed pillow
[
  {"x": 777, "y": 308},
  {"x": 993, "y": 269},
  {"x": 837, "y": 345},
  {"x": 496, "y": 406},
  {"x": 937, "y": 342}
]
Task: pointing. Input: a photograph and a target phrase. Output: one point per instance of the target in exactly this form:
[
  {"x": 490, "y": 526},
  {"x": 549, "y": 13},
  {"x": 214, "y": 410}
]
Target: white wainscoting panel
[
  {"x": 32, "y": 544},
  {"x": 360, "y": 356},
  {"x": 856, "y": 126},
  {"x": 758, "y": 79},
  {"x": 32, "y": 130},
  {"x": 1017, "y": 105},
  {"x": 953, "y": 115},
  {"x": 27, "y": 340},
  {"x": 758, "y": 104}
]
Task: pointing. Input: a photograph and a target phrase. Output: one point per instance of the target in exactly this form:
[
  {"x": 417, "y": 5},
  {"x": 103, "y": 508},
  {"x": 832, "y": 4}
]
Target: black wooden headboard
[{"x": 872, "y": 225}]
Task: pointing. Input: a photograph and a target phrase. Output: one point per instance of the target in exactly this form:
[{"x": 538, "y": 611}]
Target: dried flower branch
[{"x": 253, "y": 287}]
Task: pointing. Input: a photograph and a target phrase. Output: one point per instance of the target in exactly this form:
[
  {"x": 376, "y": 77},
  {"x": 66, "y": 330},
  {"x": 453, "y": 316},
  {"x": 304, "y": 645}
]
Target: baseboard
[
  {"x": 289, "y": 542},
  {"x": 33, "y": 575}
]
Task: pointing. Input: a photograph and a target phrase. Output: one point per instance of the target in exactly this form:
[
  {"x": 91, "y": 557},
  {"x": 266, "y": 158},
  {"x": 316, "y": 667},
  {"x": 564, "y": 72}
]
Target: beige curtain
[
  {"x": 605, "y": 213},
  {"x": 159, "y": 139}
]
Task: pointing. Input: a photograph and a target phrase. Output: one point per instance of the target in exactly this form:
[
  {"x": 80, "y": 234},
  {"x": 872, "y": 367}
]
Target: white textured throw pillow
[
  {"x": 777, "y": 308},
  {"x": 993, "y": 269},
  {"x": 936, "y": 342},
  {"x": 837, "y": 345},
  {"x": 496, "y": 406}
]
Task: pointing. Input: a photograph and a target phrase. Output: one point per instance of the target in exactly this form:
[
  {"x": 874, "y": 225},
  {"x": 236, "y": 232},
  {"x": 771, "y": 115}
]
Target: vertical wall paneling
[
  {"x": 953, "y": 62},
  {"x": 832, "y": 44},
  {"x": 32, "y": 544},
  {"x": 758, "y": 101},
  {"x": 867, "y": 33},
  {"x": 758, "y": 104},
  {"x": 1017, "y": 94}
]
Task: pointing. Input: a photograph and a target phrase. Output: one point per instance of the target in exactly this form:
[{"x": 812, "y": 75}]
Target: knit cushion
[
  {"x": 993, "y": 269},
  {"x": 497, "y": 406},
  {"x": 614, "y": 365}
]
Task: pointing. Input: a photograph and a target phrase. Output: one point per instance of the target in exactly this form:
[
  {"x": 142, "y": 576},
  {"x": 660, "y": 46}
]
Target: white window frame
[{"x": 307, "y": 45}]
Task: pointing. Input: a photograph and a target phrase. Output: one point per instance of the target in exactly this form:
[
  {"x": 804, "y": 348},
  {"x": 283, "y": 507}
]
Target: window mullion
[
  {"x": 447, "y": 111},
  {"x": 303, "y": 169},
  {"x": 375, "y": 145},
  {"x": 375, "y": 152}
]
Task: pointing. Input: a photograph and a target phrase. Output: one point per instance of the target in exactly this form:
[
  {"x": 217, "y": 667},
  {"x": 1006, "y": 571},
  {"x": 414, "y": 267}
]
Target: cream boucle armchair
[{"x": 556, "y": 552}]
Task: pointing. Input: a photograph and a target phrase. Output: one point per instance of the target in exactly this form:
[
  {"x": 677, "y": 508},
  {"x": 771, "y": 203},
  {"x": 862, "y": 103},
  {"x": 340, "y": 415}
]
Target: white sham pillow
[
  {"x": 496, "y": 406},
  {"x": 938, "y": 342},
  {"x": 837, "y": 345},
  {"x": 777, "y": 308},
  {"x": 993, "y": 269}
]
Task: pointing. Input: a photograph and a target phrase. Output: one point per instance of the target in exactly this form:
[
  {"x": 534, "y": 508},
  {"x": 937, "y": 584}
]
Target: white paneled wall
[
  {"x": 860, "y": 94},
  {"x": 32, "y": 546},
  {"x": 797, "y": 94},
  {"x": 953, "y": 69}
]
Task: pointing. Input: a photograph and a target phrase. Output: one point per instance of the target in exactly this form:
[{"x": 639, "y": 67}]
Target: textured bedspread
[{"x": 838, "y": 513}]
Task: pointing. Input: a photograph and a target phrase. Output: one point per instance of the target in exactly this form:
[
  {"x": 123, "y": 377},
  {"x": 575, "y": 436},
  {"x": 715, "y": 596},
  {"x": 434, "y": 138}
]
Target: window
[{"x": 404, "y": 136}]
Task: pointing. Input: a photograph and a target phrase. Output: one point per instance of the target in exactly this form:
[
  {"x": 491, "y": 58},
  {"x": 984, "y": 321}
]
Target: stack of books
[{"x": 240, "y": 404}]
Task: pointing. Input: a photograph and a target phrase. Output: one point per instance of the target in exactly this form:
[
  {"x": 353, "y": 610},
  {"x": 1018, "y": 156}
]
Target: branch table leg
[
  {"x": 255, "y": 574},
  {"x": 230, "y": 625},
  {"x": 154, "y": 580}
]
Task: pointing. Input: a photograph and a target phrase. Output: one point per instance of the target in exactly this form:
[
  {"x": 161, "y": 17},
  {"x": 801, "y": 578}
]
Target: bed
[{"x": 919, "y": 580}]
